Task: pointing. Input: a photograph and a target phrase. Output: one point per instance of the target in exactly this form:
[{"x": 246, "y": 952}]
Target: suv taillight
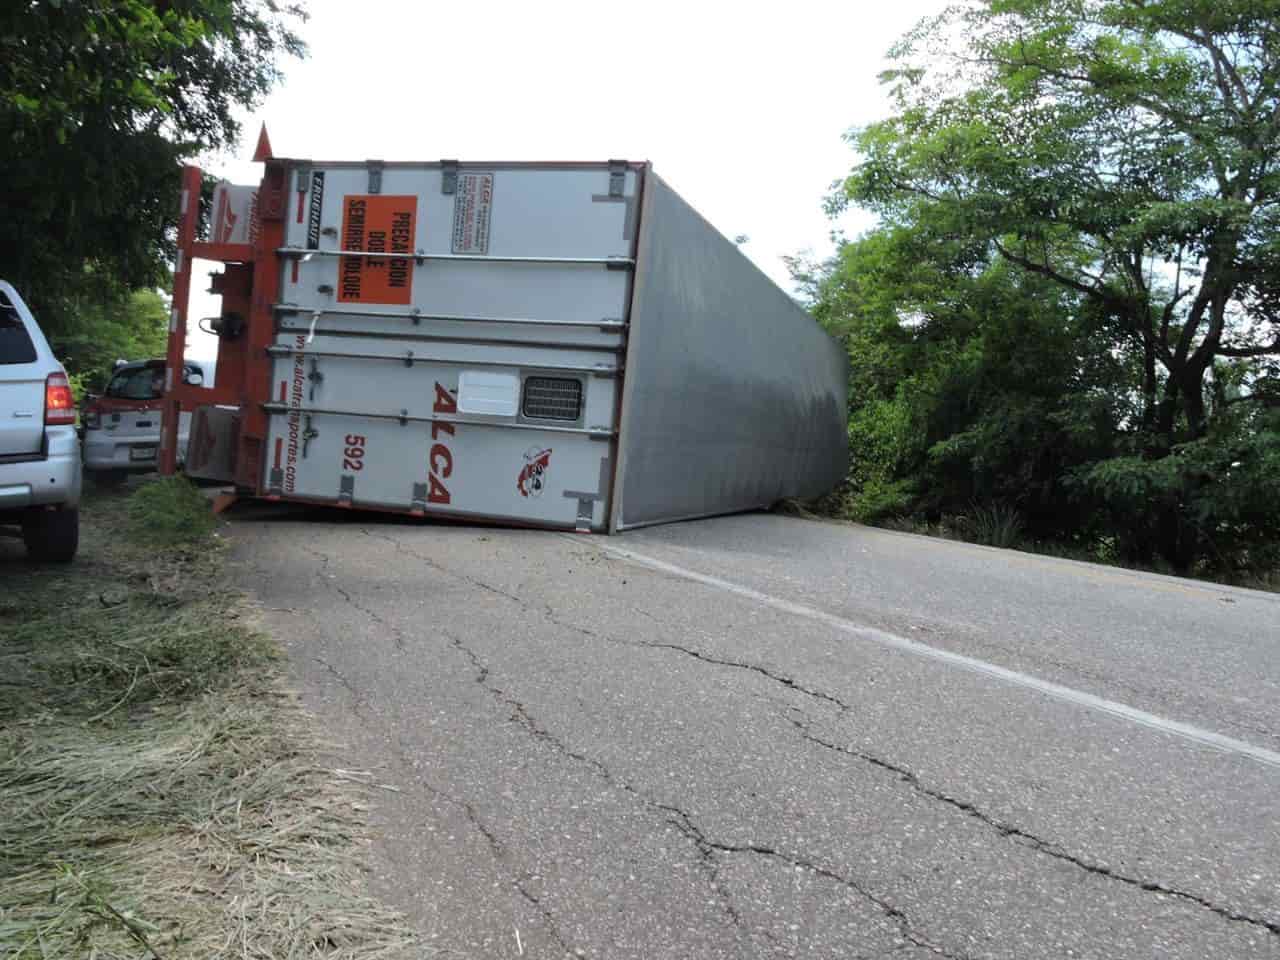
[
  {"x": 59, "y": 404},
  {"x": 91, "y": 417}
]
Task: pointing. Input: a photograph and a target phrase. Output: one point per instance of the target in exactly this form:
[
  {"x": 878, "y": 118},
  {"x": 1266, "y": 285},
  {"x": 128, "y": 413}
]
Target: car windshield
[
  {"x": 15, "y": 343},
  {"x": 137, "y": 383}
]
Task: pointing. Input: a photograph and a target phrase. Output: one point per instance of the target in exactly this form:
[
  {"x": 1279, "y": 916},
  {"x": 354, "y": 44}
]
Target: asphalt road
[{"x": 761, "y": 736}]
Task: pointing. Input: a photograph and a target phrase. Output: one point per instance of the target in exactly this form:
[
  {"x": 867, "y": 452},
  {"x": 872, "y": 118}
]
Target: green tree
[
  {"x": 1128, "y": 151},
  {"x": 1127, "y": 154},
  {"x": 100, "y": 101},
  {"x": 971, "y": 384},
  {"x": 96, "y": 334}
]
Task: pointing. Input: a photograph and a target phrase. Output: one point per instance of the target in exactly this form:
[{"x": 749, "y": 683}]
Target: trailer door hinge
[
  {"x": 375, "y": 176},
  {"x": 308, "y": 434},
  {"x": 617, "y": 177},
  {"x": 316, "y": 378},
  {"x": 346, "y": 489},
  {"x": 448, "y": 176},
  {"x": 302, "y": 180}
]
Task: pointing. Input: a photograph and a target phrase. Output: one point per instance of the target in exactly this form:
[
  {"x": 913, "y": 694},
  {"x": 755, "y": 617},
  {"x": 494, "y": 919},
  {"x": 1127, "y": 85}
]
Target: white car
[
  {"x": 39, "y": 449},
  {"x": 122, "y": 427}
]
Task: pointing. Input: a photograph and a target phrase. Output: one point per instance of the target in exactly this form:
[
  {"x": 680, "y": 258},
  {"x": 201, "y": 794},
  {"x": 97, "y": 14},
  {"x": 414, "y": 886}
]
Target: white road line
[{"x": 1186, "y": 731}]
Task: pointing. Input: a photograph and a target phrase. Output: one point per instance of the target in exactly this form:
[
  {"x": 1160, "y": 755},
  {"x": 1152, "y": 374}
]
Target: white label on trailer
[
  {"x": 488, "y": 394},
  {"x": 472, "y": 206}
]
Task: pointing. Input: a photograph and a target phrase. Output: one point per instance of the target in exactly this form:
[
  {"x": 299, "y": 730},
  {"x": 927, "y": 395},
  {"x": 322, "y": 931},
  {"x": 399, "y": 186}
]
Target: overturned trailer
[{"x": 564, "y": 345}]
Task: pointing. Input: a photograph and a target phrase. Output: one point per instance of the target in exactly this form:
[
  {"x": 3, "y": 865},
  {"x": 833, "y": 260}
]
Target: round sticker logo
[{"x": 533, "y": 475}]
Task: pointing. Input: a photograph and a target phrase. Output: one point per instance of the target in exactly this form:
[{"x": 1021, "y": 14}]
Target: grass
[
  {"x": 161, "y": 794},
  {"x": 169, "y": 512},
  {"x": 994, "y": 525}
]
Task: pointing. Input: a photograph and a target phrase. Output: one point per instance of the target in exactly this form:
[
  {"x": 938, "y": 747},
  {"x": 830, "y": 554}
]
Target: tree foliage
[
  {"x": 95, "y": 334},
  {"x": 1073, "y": 304},
  {"x": 100, "y": 101}
]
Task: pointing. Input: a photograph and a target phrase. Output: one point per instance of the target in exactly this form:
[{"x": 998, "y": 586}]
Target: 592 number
[{"x": 353, "y": 455}]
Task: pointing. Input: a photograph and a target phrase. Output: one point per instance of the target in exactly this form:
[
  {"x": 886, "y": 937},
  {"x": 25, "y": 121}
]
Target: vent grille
[{"x": 550, "y": 398}]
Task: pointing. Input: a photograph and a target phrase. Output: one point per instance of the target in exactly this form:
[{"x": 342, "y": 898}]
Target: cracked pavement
[{"x": 595, "y": 758}]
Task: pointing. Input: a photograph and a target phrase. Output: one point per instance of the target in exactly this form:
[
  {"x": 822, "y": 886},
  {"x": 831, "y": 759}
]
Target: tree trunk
[
  {"x": 1166, "y": 421},
  {"x": 1148, "y": 380},
  {"x": 1193, "y": 401}
]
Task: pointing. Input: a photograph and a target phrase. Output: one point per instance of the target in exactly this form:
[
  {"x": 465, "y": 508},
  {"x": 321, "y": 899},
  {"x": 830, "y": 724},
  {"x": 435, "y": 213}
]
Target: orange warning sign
[{"x": 377, "y": 224}]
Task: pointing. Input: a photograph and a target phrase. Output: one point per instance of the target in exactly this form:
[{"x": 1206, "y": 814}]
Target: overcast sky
[{"x": 740, "y": 107}]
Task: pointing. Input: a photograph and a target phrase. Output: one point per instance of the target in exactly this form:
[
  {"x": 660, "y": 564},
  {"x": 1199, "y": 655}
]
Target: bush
[
  {"x": 878, "y": 499},
  {"x": 1209, "y": 507}
]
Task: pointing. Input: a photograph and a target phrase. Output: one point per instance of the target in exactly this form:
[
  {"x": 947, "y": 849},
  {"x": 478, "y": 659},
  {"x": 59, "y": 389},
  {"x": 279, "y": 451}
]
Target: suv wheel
[
  {"x": 109, "y": 479},
  {"x": 52, "y": 534}
]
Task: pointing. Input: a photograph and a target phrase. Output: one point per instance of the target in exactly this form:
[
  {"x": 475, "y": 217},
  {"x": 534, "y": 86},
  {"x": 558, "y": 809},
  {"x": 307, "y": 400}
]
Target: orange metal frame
[{"x": 249, "y": 287}]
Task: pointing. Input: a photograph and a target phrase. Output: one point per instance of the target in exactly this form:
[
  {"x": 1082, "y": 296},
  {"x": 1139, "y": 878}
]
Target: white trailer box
[{"x": 560, "y": 345}]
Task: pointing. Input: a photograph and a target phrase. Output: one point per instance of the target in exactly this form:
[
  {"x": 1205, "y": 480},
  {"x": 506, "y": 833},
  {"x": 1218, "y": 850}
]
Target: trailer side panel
[{"x": 734, "y": 397}]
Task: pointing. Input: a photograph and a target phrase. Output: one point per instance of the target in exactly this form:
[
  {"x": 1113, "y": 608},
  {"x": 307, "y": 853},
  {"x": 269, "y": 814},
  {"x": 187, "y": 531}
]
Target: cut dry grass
[{"x": 160, "y": 794}]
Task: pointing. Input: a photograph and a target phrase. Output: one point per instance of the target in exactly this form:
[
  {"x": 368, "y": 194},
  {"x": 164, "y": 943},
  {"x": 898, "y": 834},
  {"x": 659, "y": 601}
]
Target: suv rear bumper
[
  {"x": 102, "y": 451},
  {"x": 53, "y": 480}
]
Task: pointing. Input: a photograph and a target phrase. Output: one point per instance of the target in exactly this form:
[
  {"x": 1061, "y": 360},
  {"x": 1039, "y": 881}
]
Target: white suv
[{"x": 39, "y": 449}]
